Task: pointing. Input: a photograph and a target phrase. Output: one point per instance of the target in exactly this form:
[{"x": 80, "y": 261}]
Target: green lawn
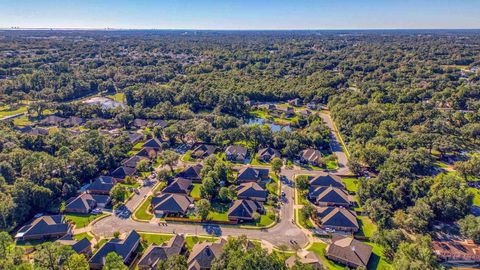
[
  {"x": 22, "y": 121},
  {"x": 134, "y": 185},
  {"x": 80, "y": 236},
  {"x": 119, "y": 97},
  {"x": 187, "y": 157},
  {"x": 155, "y": 238},
  {"x": 319, "y": 249},
  {"x": 195, "y": 193},
  {"x": 138, "y": 146},
  {"x": 7, "y": 111},
  {"x": 306, "y": 223},
  {"x": 100, "y": 244},
  {"x": 265, "y": 220},
  {"x": 256, "y": 162},
  {"x": 190, "y": 241},
  {"x": 351, "y": 184},
  {"x": 82, "y": 220},
  {"x": 142, "y": 212},
  {"x": 331, "y": 165},
  {"x": 367, "y": 227},
  {"x": 476, "y": 198},
  {"x": 260, "y": 114},
  {"x": 218, "y": 212}
]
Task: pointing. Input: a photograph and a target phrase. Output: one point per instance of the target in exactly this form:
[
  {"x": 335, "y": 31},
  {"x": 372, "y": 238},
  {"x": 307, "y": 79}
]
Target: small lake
[
  {"x": 104, "y": 102},
  {"x": 273, "y": 126}
]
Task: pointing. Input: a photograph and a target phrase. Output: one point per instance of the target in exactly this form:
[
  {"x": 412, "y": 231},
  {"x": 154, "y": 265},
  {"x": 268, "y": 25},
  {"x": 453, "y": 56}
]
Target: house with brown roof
[
  {"x": 134, "y": 137},
  {"x": 120, "y": 173},
  {"x": 203, "y": 150},
  {"x": 326, "y": 180},
  {"x": 329, "y": 196},
  {"x": 295, "y": 102},
  {"x": 310, "y": 156},
  {"x": 101, "y": 185},
  {"x": 456, "y": 251},
  {"x": 179, "y": 185},
  {"x": 166, "y": 204},
  {"x": 204, "y": 253},
  {"x": 244, "y": 210},
  {"x": 250, "y": 174},
  {"x": 267, "y": 154},
  {"x": 348, "y": 251},
  {"x": 236, "y": 153},
  {"x": 337, "y": 218},
  {"x": 154, "y": 143},
  {"x": 252, "y": 191},
  {"x": 192, "y": 172},
  {"x": 44, "y": 227},
  {"x": 125, "y": 248},
  {"x": 154, "y": 253},
  {"x": 133, "y": 161},
  {"x": 147, "y": 152},
  {"x": 140, "y": 123},
  {"x": 86, "y": 202},
  {"x": 305, "y": 257},
  {"x": 83, "y": 246}
]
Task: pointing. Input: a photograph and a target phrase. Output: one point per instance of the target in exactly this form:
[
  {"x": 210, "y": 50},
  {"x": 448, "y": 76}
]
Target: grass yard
[
  {"x": 190, "y": 241},
  {"x": 155, "y": 238},
  {"x": 22, "y": 121},
  {"x": 367, "y": 227},
  {"x": 7, "y": 110},
  {"x": 187, "y": 157},
  {"x": 319, "y": 249},
  {"x": 82, "y": 220},
  {"x": 265, "y": 220},
  {"x": 80, "y": 236},
  {"x": 306, "y": 223},
  {"x": 195, "y": 193},
  {"x": 119, "y": 97},
  {"x": 331, "y": 165},
  {"x": 134, "y": 185},
  {"x": 259, "y": 114},
  {"x": 142, "y": 212},
  {"x": 476, "y": 198},
  {"x": 351, "y": 184},
  {"x": 218, "y": 212},
  {"x": 256, "y": 162},
  {"x": 138, "y": 146}
]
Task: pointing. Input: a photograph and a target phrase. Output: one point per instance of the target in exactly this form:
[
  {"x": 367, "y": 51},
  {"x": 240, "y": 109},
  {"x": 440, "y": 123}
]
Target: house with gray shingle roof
[
  {"x": 305, "y": 257},
  {"x": 203, "y": 254},
  {"x": 52, "y": 120},
  {"x": 73, "y": 121},
  {"x": 236, "y": 153},
  {"x": 252, "y": 191},
  {"x": 349, "y": 251},
  {"x": 166, "y": 204},
  {"x": 83, "y": 246},
  {"x": 244, "y": 210},
  {"x": 154, "y": 143},
  {"x": 147, "y": 152},
  {"x": 329, "y": 196},
  {"x": 203, "y": 150},
  {"x": 101, "y": 185},
  {"x": 337, "y": 218},
  {"x": 86, "y": 202},
  {"x": 326, "y": 180},
  {"x": 192, "y": 172},
  {"x": 179, "y": 185},
  {"x": 135, "y": 137},
  {"x": 133, "y": 161},
  {"x": 44, "y": 227},
  {"x": 267, "y": 154},
  {"x": 310, "y": 156},
  {"x": 250, "y": 174},
  {"x": 154, "y": 253},
  {"x": 124, "y": 248},
  {"x": 122, "y": 172}
]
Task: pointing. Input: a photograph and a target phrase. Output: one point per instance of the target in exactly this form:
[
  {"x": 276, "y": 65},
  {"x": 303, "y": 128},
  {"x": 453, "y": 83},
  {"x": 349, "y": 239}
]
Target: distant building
[
  {"x": 135, "y": 137},
  {"x": 45, "y": 227},
  {"x": 52, "y": 120},
  {"x": 295, "y": 102},
  {"x": 147, "y": 152},
  {"x": 140, "y": 123},
  {"x": 456, "y": 251},
  {"x": 73, "y": 121},
  {"x": 154, "y": 143},
  {"x": 124, "y": 248},
  {"x": 349, "y": 251},
  {"x": 133, "y": 161}
]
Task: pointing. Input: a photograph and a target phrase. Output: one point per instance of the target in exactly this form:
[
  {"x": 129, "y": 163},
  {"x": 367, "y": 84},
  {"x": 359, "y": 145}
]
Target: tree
[
  {"x": 51, "y": 255},
  {"x": 277, "y": 165},
  {"x": 113, "y": 261},
  {"x": 416, "y": 255},
  {"x": 389, "y": 240},
  {"x": 5, "y": 242},
  {"x": 209, "y": 188},
  {"x": 470, "y": 227},
  {"x": 175, "y": 262},
  {"x": 302, "y": 182},
  {"x": 118, "y": 194},
  {"x": 76, "y": 262},
  {"x": 203, "y": 208},
  {"x": 125, "y": 119},
  {"x": 226, "y": 194},
  {"x": 379, "y": 211},
  {"x": 168, "y": 158},
  {"x": 308, "y": 211},
  {"x": 144, "y": 165},
  {"x": 417, "y": 218}
]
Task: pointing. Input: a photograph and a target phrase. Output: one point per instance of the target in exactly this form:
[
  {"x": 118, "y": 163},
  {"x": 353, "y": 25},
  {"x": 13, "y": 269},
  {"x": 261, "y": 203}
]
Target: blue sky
[{"x": 241, "y": 14}]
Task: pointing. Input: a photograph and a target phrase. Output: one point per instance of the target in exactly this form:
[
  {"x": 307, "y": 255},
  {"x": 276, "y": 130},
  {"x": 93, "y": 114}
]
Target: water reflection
[{"x": 273, "y": 126}]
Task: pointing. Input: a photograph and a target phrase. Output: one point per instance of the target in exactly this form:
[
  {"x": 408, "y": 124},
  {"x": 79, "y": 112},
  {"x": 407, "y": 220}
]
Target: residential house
[
  {"x": 101, "y": 185},
  {"x": 203, "y": 254},
  {"x": 192, "y": 172},
  {"x": 179, "y": 185},
  {"x": 312, "y": 106},
  {"x": 86, "y": 202},
  {"x": 147, "y": 152},
  {"x": 311, "y": 156},
  {"x": 203, "y": 150},
  {"x": 326, "y": 180},
  {"x": 36, "y": 131},
  {"x": 122, "y": 172},
  {"x": 252, "y": 191},
  {"x": 154, "y": 143},
  {"x": 133, "y": 161},
  {"x": 329, "y": 196},
  {"x": 244, "y": 210},
  {"x": 52, "y": 120},
  {"x": 304, "y": 113},
  {"x": 83, "y": 246},
  {"x": 135, "y": 137},
  {"x": 236, "y": 153},
  {"x": 456, "y": 251},
  {"x": 267, "y": 154},
  {"x": 295, "y": 102},
  {"x": 124, "y": 248},
  {"x": 166, "y": 204},
  {"x": 249, "y": 174},
  {"x": 140, "y": 123},
  {"x": 73, "y": 121},
  {"x": 287, "y": 112},
  {"x": 44, "y": 227},
  {"x": 305, "y": 257},
  {"x": 160, "y": 123},
  {"x": 349, "y": 251},
  {"x": 337, "y": 218},
  {"x": 154, "y": 254}
]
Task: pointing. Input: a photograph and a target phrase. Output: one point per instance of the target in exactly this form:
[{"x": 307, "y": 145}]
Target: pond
[
  {"x": 104, "y": 102},
  {"x": 273, "y": 126}
]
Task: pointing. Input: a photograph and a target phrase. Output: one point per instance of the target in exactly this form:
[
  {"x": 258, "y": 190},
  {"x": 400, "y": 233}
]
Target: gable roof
[
  {"x": 204, "y": 253},
  {"x": 306, "y": 257},
  {"x": 237, "y": 150},
  {"x": 45, "y": 225},
  {"x": 52, "y": 120},
  {"x": 33, "y": 130},
  {"x": 191, "y": 172},
  {"x": 179, "y": 185},
  {"x": 326, "y": 180},
  {"x": 122, "y": 172},
  {"x": 147, "y": 152},
  {"x": 140, "y": 122},
  {"x": 174, "y": 203},
  {"x": 350, "y": 250},
  {"x": 268, "y": 152},
  {"x": 244, "y": 208},
  {"x": 248, "y": 174},
  {"x": 311, "y": 155},
  {"x": 251, "y": 189},
  {"x": 73, "y": 121},
  {"x": 203, "y": 150},
  {"x": 84, "y": 201},
  {"x": 122, "y": 247},
  {"x": 154, "y": 143},
  {"x": 154, "y": 253},
  {"x": 134, "y": 137},
  {"x": 338, "y": 217},
  {"x": 102, "y": 183},
  {"x": 329, "y": 195},
  {"x": 133, "y": 161},
  {"x": 160, "y": 123},
  {"x": 77, "y": 245}
]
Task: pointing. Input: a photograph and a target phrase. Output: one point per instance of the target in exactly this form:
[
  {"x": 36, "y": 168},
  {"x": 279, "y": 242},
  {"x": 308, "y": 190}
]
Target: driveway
[{"x": 336, "y": 146}]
